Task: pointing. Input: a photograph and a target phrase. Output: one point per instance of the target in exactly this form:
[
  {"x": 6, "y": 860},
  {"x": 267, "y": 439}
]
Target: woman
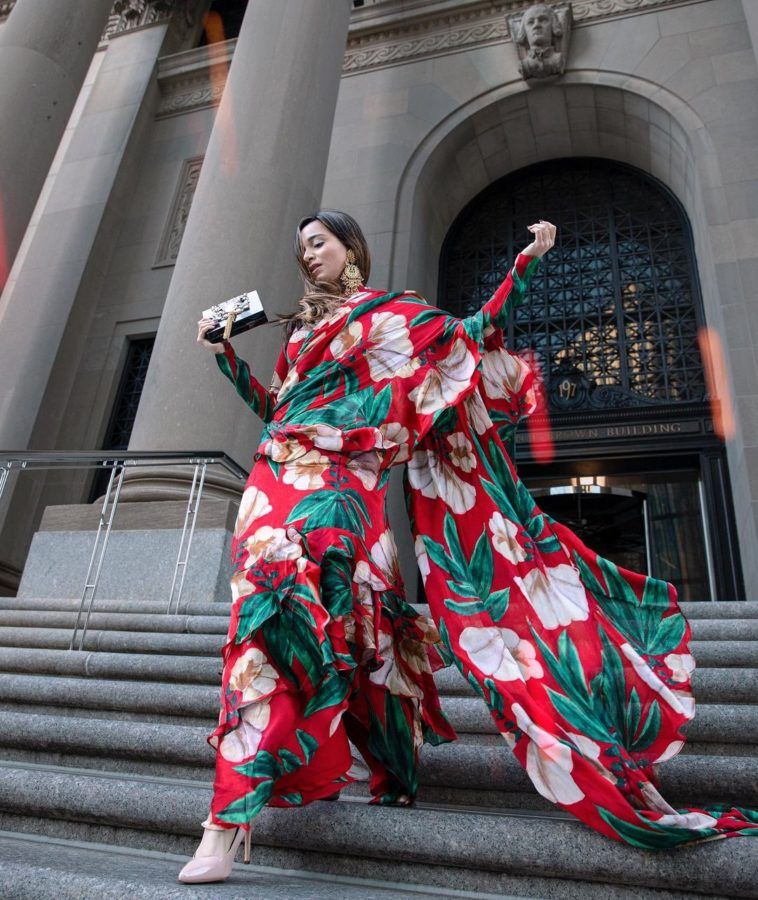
[{"x": 584, "y": 666}]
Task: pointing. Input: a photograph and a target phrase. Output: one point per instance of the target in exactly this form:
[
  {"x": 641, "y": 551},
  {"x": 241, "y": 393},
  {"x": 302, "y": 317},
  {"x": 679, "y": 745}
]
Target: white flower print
[
  {"x": 346, "y": 339},
  {"x": 456, "y": 493},
  {"x": 273, "y": 545},
  {"x": 505, "y": 538},
  {"x": 393, "y": 434},
  {"x": 420, "y": 474},
  {"x": 436, "y": 479},
  {"x": 591, "y": 751},
  {"x": 384, "y": 554},
  {"x": 289, "y": 382},
  {"x": 670, "y": 752},
  {"x": 243, "y": 741},
  {"x": 477, "y": 413},
  {"x": 253, "y": 675},
  {"x": 253, "y": 505},
  {"x": 325, "y": 437},
  {"x": 366, "y": 466},
  {"x": 422, "y": 558},
  {"x": 657, "y": 803},
  {"x": 304, "y": 473},
  {"x": 390, "y": 351},
  {"x": 679, "y": 701},
  {"x": 682, "y": 666},
  {"x": 500, "y": 653},
  {"x": 444, "y": 382},
  {"x": 503, "y": 373},
  {"x": 367, "y": 581},
  {"x": 300, "y": 334},
  {"x": 548, "y": 762},
  {"x": 461, "y": 454},
  {"x": 390, "y": 674},
  {"x": 556, "y": 593}
]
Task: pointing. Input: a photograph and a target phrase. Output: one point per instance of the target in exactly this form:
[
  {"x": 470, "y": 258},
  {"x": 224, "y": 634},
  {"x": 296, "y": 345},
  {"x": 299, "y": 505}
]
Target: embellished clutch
[{"x": 235, "y": 316}]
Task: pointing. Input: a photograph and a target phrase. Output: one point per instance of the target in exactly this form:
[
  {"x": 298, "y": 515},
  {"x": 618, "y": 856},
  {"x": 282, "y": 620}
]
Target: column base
[{"x": 141, "y": 555}]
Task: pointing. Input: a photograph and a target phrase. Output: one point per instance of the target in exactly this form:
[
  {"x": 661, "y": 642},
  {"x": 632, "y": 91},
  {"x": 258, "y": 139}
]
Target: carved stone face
[{"x": 538, "y": 25}]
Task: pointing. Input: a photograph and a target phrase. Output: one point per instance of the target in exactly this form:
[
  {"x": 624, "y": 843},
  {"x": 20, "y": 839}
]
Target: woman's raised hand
[
  {"x": 203, "y": 327},
  {"x": 544, "y": 238}
]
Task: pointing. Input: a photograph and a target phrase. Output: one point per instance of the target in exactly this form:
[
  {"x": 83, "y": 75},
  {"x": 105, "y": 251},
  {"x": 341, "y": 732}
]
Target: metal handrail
[{"x": 118, "y": 463}]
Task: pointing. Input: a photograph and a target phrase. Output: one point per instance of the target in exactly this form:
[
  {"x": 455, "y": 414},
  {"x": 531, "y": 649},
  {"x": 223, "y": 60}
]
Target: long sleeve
[
  {"x": 508, "y": 296},
  {"x": 255, "y": 395}
]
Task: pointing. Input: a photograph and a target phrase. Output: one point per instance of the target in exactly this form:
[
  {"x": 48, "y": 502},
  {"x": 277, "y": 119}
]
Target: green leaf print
[
  {"x": 426, "y": 315},
  {"x": 294, "y": 799},
  {"x": 336, "y": 582},
  {"x": 497, "y": 603},
  {"x": 290, "y": 761},
  {"x": 363, "y": 308},
  {"x": 308, "y": 744},
  {"x": 265, "y": 765},
  {"x": 481, "y": 565},
  {"x": 247, "y": 807},
  {"x": 392, "y": 742},
  {"x": 579, "y": 715},
  {"x": 254, "y": 612},
  {"x": 641, "y": 622},
  {"x": 465, "y": 608},
  {"x": 331, "y": 692},
  {"x": 651, "y": 836},
  {"x": 650, "y": 730},
  {"x": 329, "y": 509},
  {"x": 377, "y": 408}
]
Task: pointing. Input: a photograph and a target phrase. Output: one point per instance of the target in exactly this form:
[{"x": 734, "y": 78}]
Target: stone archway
[{"x": 603, "y": 115}]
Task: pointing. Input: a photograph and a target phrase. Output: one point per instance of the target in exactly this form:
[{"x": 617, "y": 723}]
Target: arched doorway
[{"x": 612, "y": 317}]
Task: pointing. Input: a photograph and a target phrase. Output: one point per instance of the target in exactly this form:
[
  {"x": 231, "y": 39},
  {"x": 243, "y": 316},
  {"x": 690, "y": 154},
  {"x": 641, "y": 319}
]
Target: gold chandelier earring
[{"x": 351, "y": 277}]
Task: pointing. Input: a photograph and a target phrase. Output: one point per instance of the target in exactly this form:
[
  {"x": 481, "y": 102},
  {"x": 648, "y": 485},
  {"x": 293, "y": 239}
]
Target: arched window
[{"x": 614, "y": 310}]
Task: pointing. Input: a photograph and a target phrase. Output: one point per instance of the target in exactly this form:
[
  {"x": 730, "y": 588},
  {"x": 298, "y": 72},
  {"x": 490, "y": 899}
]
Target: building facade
[{"x": 204, "y": 130}]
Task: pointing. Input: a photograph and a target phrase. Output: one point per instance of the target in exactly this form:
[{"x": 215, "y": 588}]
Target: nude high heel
[{"x": 204, "y": 869}]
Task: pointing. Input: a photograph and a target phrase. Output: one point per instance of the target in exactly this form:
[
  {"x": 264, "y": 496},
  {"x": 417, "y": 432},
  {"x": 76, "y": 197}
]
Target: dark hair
[{"x": 322, "y": 297}]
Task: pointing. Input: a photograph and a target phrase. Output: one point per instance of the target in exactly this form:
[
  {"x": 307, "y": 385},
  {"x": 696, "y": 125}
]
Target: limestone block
[
  {"x": 736, "y": 328},
  {"x": 582, "y": 118},
  {"x": 749, "y": 276},
  {"x": 692, "y": 79},
  {"x": 700, "y": 15},
  {"x": 735, "y": 66},
  {"x": 667, "y": 56},
  {"x": 386, "y": 103},
  {"x": 744, "y": 370},
  {"x": 724, "y": 104},
  {"x": 742, "y": 199},
  {"x": 429, "y": 103},
  {"x": 631, "y": 40},
  {"x": 719, "y": 39},
  {"x": 746, "y": 409},
  {"x": 637, "y": 106}
]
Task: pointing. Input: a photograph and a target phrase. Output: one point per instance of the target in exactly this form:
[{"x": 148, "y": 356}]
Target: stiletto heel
[
  {"x": 248, "y": 841},
  {"x": 203, "y": 869}
]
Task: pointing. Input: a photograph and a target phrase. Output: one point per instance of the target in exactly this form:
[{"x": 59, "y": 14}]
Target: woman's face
[{"x": 323, "y": 253}]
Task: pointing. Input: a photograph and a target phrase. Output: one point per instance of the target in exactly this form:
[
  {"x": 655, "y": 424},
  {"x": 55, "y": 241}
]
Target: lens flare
[
  {"x": 538, "y": 423},
  {"x": 717, "y": 382},
  {"x": 215, "y": 33}
]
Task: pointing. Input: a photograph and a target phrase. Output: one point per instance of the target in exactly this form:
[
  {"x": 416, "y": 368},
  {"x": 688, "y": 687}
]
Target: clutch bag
[{"x": 235, "y": 316}]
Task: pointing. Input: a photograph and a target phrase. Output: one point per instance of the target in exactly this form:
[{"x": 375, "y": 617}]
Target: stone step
[
  {"x": 496, "y": 847},
  {"x": 182, "y": 751},
  {"x": 42, "y": 868},
  {"x": 137, "y": 666},
  {"x": 718, "y": 611},
  {"x": 115, "y": 621},
  {"x": 712, "y": 686}
]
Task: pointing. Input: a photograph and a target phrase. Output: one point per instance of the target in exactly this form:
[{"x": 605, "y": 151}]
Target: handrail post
[
  {"x": 193, "y": 504},
  {"x": 118, "y": 465}
]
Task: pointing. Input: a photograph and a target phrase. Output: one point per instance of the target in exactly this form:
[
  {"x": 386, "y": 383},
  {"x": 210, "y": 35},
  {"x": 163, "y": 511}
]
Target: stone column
[
  {"x": 263, "y": 170},
  {"x": 45, "y": 50}
]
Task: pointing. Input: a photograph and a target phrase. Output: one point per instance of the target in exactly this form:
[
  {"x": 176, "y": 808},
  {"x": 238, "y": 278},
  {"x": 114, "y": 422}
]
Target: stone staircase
[{"x": 111, "y": 803}]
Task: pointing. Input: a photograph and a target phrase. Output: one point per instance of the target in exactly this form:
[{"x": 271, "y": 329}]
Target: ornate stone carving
[
  {"x": 127, "y": 14},
  {"x": 177, "y": 217},
  {"x": 477, "y": 26},
  {"x": 541, "y": 35}
]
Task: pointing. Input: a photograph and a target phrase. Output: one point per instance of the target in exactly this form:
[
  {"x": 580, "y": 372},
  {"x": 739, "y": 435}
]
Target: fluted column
[
  {"x": 264, "y": 168},
  {"x": 45, "y": 51}
]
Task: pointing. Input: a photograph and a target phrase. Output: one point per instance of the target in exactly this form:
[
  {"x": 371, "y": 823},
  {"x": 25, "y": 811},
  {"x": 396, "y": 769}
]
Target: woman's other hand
[
  {"x": 544, "y": 238},
  {"x": 203, "y": 327}
]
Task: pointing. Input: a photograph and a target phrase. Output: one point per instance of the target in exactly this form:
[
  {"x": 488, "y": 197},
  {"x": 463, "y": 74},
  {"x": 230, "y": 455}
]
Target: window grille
[{"x": 613, "y": 312}]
